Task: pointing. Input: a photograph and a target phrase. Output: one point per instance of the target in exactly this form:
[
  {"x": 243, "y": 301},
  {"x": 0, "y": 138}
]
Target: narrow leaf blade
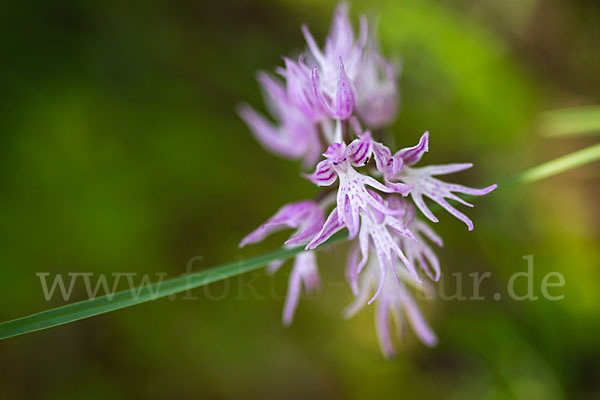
[{"x": 100, "y": 305}]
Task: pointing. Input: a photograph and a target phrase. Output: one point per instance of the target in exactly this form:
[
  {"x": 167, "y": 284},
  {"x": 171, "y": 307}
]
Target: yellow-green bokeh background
[{"x": 121, "y": 152}]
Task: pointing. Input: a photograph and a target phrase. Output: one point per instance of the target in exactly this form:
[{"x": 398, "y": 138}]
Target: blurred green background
[{"x": 121, "y": 152}]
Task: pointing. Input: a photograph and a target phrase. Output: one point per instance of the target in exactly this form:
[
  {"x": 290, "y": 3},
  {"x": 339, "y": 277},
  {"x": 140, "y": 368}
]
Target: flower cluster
[{"x": 320, "y": 102}]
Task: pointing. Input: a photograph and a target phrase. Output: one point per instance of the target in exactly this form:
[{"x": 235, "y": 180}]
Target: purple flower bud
[
  {"x": 342, "y": 105},
  {"x": 378, "y": 98},
  {"x": 338, "y": 65}
]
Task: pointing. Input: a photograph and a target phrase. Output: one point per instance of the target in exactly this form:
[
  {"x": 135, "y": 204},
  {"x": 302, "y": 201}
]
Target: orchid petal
[
  {"x": 412, "y": 155},
  {"x": 324, "y": 174},
  {"x": 331, "y": 226},
  {"x": 343, "y": 102}
]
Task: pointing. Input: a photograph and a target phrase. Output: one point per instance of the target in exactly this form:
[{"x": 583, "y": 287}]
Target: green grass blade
[
  {"x": 570, "y": 121},
  {"x": 554, "y": 167},
  {"x": 100, "y": 305}
]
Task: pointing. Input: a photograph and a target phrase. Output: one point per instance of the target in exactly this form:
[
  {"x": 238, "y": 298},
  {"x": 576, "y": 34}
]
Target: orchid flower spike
[{"x": 320, "y": 103}]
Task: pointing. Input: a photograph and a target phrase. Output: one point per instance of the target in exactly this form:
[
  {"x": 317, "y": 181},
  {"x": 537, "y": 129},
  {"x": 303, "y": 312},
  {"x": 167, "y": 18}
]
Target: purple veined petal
[
  {"x": 385, "y": 256},
  {"x": 336, "y": 152},
  {"x": 398, "y": 187},
  {"x": 420, "y": 251},
  {"x": 378, "y": 206},
  {"x": 398, "y": 210},
  {"x": 311, "y": 226},
  {"x": 378, "y": 216},
  {"x": 407, "y": 263},
  {"x": 303, "y": 215},
  {"x": 401, "y": 208},
  {"x": 442, "y": 202},
  {"x": 370, "y": 181},
  {"x": 382, "y": 326},
  {"x": 376, "y": 196},
  {"x": 440, "y": 199},
  {"x": 352, "y": 268},
  {"x": 437, "y": 191},
  {"x": 359, "y": 151},
  {"x": 383, "y": 157},
  {"x": 400, "y": 229},
  {"x": 424, "y": 265},
  {"x": 417, "y": 321},
  {"x": 432, "y": 260},
  {"x": 363, "y": 241},
  {"x": 389, "y": 166},
  {"x": 303, "y": 236},
  {"x": 379, "y": 286},
  {"x": 412, "y": 155},
  {"x": 268, "y": 135},
  {"x": 385, "y": 248},
  {"x": 394, "y": 166},
  {"x": 472, "y": 191},
  {"x": 454, "y": 197},
  {"x": 331, "y": 226},
  {"x": 377, "y": 209},
  {"x": 324, "y": 175},
  {"x": 353, "y": 219},
  {"x": 300, "y": 91},
  {"x": 348, "y": 212},
  {"x": 445, "y": 169},
  {"x": 261, "y": 232},
  {"x": 424, "y": 184},
  {"x": 316, "y": 80},
  {"x": 344, "y": 100},
  {"x": 296, "y": 136},
  {"x": 420, "y": 203}
]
